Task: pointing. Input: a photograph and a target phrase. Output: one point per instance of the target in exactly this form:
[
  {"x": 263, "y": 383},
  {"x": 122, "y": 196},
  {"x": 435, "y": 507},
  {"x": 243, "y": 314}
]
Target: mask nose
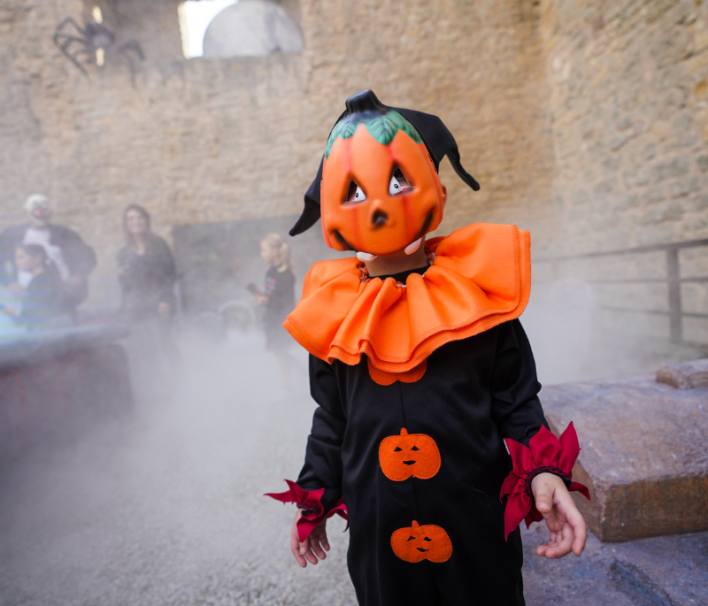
[{"x": 379, "y": 218}]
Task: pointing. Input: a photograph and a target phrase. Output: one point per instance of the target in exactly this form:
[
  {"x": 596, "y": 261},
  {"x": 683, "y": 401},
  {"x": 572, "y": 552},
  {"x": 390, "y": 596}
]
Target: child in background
[
  {"x": 42, "y": 303},
  {"x": 426, "y": 385},
  {"x": 278, "y": 300}
]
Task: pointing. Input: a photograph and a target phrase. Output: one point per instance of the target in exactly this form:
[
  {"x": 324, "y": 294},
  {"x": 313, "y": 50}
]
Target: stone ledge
[
  {"x": 644, "y": 455},
  {"x": 684, "y": 375}
]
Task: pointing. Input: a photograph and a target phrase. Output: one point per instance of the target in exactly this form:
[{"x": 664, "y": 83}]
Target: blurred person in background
[
  {"x": 41, "y": 300},
  {"x": 147, "y": 274},
  {"x": 278, "y": 300},
  {"x": 68, "y": 256}
]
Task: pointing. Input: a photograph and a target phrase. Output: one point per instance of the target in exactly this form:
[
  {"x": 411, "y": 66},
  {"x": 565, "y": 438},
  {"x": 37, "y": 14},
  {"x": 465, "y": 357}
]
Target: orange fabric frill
[{"x": 480, "y": 278}]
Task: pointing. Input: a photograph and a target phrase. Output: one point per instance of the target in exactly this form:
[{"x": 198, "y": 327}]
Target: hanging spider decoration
[{"x": 94, "y": 41}]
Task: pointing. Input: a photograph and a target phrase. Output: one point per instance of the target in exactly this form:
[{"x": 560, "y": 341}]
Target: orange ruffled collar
[{"x": 481, "y": 277}]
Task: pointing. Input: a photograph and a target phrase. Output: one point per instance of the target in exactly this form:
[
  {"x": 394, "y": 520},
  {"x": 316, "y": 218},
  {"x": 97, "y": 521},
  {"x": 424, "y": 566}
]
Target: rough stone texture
[
  {"x": 628, "y": 107},
  {"x": 629, "y": 114},
  {"x": 584, "y": 120},
  {"x": 684, "y": 375},
  {"x": 643, "y": 454},
  {"x": 219, "y": 140}
]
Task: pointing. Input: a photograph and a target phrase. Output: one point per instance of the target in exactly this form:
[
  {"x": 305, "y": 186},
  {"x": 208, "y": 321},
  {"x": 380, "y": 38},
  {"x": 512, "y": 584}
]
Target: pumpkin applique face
[
  {"x": 417, "y": 543},
  {"x": 380, "y": 191},
  {"x": 409, "y": 455}
]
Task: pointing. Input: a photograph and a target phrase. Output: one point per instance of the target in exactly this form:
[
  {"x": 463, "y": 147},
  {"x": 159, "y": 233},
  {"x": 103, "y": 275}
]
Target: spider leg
[
  {"x": 134, "y": 46},
  {"x": 131, "y": 65},
  {"x": 69, "y": 21},
  {"x": 64, "y": 48},
  {"x": 123, "y": 49}
]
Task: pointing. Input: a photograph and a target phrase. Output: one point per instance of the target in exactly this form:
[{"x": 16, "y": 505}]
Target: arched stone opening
[{"x": 252, "y": 28}]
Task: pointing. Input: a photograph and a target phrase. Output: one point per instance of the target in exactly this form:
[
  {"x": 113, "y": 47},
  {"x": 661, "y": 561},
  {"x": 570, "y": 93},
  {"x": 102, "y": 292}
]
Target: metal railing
[{"x": 673, "y": 280}]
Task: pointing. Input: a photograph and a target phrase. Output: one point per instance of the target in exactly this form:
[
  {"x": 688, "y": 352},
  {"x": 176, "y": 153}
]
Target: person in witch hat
[{"x": 429, "y": 435}]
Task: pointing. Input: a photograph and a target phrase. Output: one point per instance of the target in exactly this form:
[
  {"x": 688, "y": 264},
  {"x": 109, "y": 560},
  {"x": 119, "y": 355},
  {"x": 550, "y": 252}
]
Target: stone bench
[{"x": 644, "y": 450}]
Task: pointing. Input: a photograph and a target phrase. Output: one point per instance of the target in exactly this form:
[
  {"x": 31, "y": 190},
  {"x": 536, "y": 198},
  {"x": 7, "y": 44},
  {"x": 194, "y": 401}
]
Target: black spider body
[
  {"x": 99, "y": 35},
  {"x": 74, "y": 42}
]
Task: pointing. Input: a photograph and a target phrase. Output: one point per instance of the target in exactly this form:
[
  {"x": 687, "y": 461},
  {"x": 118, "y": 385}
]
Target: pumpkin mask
[
  {"x": 417, "y": 543},
  {"x": 377, "y": 188}
]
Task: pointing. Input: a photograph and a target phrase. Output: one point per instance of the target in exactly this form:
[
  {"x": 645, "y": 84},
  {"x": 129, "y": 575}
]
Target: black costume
[
  {"x": 43, "y": 306},
  {"x": 147, "y": 279},
  {"x": 280, "y": 290},
  {"x": 474, "y": 393},
  {"x": 423, "y": 379},
  {"x": 80, "y": 258}
]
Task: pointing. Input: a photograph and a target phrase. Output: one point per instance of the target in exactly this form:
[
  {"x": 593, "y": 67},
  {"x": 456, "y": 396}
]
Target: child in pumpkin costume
[{"x": 422, "y": 373}]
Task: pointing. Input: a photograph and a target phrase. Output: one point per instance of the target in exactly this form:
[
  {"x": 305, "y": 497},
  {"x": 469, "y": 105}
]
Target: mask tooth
[
  {"x": 413, "y": 246},
  {"x": 365, "y": 257}
]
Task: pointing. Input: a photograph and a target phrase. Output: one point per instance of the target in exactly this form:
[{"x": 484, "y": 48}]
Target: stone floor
[{"x": 165, "y": 508}]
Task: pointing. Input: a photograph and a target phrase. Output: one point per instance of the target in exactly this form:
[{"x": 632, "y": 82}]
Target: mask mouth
[
  {"x": 413, "y": 246},
  {"x": 365, "y": 257}
]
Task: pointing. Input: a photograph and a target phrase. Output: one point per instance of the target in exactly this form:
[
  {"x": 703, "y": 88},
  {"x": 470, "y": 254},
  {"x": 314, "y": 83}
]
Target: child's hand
[
  {"x": 565, "y": 523},
  {"x": 316, "y": 543}
]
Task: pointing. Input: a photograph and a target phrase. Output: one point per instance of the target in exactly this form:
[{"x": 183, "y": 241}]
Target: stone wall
[
  {"x": 629, "y": 115},
  {"x": 629, "y": 112},
  {"x": 220, "y": 140}
]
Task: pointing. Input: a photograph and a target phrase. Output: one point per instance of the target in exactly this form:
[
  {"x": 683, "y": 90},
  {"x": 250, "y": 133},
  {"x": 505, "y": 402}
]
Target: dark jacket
[
  {"x": 280, "y": 288},
  {"x": 42, "y": 303},
  {"x": 147, "y": 279},
  {"x": 79, "y": 257}
]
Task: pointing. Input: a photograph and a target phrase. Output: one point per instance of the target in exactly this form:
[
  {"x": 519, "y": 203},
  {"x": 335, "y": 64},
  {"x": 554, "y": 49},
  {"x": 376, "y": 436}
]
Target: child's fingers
[
  {"x": 308, "y": 554},
  {"x": 574, "y": 523},
  {"x": 295, "y": 548},
  {"x": 324, "y": 541},
  {"x": 580, "y": 530},
  {"x": 317, "y": 544},
  {"x": 560, "y": 543}
]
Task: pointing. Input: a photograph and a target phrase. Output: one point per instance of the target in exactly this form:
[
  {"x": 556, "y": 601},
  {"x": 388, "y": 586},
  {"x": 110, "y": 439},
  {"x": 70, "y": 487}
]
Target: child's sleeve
[
  {"x": 517, "y": 412},
  {"x": 323, "y": 457},
  {"x": 516, "y": 409},
  {"x": 318, "y": 491}
]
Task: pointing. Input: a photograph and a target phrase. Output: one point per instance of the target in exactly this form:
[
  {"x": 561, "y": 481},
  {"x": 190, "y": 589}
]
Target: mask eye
[
  {"x": 355, "y": 193},
  {"x": 398, "y": 183}
]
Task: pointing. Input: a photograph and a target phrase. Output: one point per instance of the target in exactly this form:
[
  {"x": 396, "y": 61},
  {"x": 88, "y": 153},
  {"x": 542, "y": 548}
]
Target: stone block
[
  {"x": 684, "y": 375},
  {"x": 637, "y": 177},
  {"x": 662, "y": 214},
  {"x": 702, "y": 162},
  {"x": 685, "y": 186},
  {"x": 676, "y": 167},
  {"x": 643, "y": 454}
]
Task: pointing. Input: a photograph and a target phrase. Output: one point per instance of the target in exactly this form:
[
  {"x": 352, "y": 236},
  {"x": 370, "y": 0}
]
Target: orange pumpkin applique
[
  {"x": 409, "y": 455},
  {"x": 417, "y": 543},
  {"x": 389, "y": 378}
]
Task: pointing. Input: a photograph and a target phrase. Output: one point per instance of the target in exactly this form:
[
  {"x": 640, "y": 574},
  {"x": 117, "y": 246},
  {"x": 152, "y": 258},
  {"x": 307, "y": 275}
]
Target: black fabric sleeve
[
  {"x": 516, "y": 409},
  {"x": 323, "y": 458},
  {"x": 10, "y": 238},
  {"x": 80, "y": 258},
  {"x": 165, "y": 271}
]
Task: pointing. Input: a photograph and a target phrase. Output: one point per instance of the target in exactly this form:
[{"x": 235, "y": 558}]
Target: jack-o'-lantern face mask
[
  {"x": 377, "y": 189},
  {"x": 380, "y": 192}
]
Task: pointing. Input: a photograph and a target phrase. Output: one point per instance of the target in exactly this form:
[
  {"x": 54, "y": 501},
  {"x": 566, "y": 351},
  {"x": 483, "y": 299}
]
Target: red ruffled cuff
[
  {"x": 310, "y": 501},
  {"x": 545, "y": 453}
]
